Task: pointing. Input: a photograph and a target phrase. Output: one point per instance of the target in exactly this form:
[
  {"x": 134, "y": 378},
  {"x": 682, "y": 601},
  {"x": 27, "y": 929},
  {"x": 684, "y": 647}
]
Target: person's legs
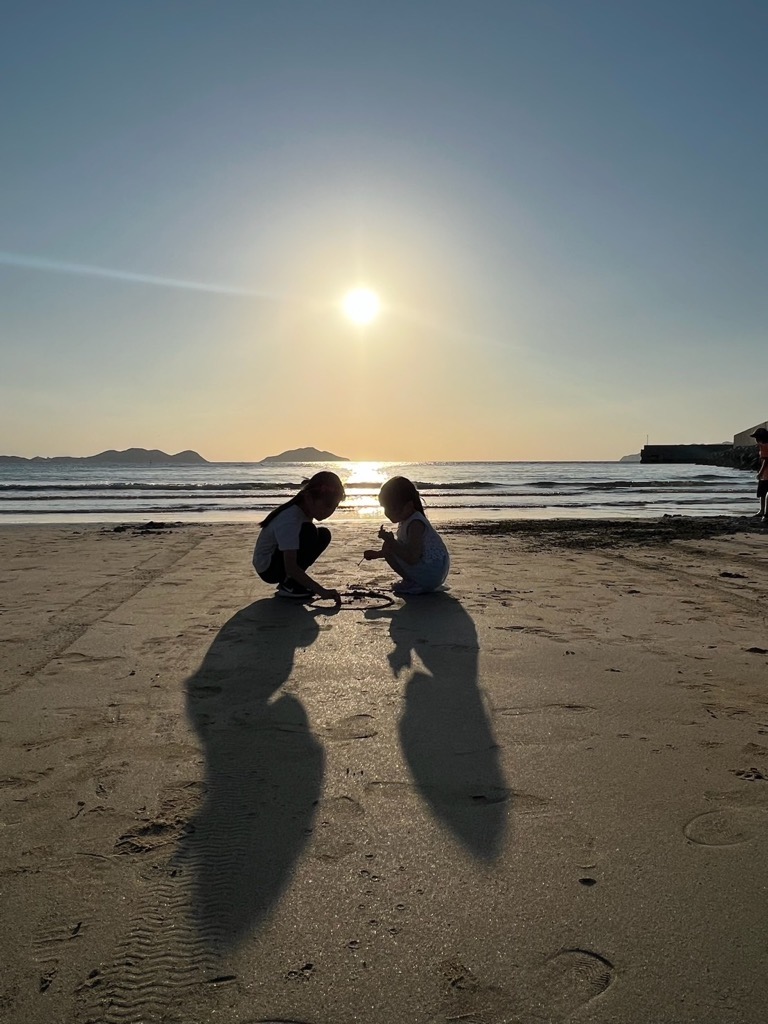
[
  {"x": 762, "y": 493},
  {"x": 396, "y": 565},
  {"x": 420, "y": 578},
  {"x": 313, "y": 540},
  {"x": 275, "y": 571}
]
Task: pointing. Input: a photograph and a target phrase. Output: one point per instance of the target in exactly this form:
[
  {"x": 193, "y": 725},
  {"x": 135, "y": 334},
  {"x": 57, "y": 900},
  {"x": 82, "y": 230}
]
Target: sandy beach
[{"x": 540, "y": 796}]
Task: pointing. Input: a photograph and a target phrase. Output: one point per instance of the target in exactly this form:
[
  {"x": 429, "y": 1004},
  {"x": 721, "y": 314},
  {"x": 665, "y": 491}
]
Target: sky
[{"x": 561, "y": 205}]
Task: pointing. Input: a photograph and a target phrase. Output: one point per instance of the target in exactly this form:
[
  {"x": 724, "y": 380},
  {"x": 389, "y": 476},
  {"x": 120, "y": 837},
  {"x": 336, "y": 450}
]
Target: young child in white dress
[{"x": 417, "y": 553}]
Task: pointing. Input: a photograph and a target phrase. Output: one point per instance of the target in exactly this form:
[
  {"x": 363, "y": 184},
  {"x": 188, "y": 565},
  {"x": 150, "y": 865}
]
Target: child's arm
[
  {"x": 371, "y": 553},
  {"x": 294, "y": 570},
  {"x": 410, "y": 550}
]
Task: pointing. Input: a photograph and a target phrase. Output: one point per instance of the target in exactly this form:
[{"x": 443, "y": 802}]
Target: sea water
[{"x": 78, "y": 492}]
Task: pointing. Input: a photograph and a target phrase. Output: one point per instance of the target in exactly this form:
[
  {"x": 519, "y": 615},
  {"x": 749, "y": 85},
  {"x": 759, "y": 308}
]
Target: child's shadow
[
  {"x": 263, "y": 770},
  {"x": 444, "y": 731}
]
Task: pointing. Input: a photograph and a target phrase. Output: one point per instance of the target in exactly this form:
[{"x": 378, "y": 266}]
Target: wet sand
[{"x": 541, "y": 796}]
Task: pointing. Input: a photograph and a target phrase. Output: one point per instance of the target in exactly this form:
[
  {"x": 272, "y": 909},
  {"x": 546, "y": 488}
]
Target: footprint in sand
[
  {"x": 202, "y": 690},
  {"x": 567, "y": 981},
  {"x": 469, "y": 795},
  {"x": 335, "y": 828},
  {"x": 728, "y": 826},
  {"x": 50, "y": 948},
  {"x": 355, "y": 727}
]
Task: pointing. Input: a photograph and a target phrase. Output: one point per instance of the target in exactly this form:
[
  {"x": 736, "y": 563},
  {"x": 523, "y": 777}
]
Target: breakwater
[{"x": 742, "y": 457}]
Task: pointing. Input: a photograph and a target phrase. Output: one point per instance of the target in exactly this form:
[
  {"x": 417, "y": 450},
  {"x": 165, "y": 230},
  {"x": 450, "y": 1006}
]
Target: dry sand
[{"x": 539, "y": 797}]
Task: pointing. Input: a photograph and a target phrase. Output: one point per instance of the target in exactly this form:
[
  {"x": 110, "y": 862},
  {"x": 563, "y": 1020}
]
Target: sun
[{"x": 361, "y": 306}]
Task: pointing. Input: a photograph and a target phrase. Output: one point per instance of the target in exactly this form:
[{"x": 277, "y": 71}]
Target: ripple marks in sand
[
  {"x": 728, "y": 826},
  {"x": 263, "y": 787},
  {"x": 161, "y": 958}
]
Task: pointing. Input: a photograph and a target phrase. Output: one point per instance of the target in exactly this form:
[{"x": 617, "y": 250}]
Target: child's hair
[
  {"x": 322, "y": 483},
  {"x": 401, "y": 490}
]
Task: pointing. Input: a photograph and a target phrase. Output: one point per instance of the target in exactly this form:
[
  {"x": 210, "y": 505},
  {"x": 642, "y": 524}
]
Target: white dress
[{"x": 432, "y": 568}]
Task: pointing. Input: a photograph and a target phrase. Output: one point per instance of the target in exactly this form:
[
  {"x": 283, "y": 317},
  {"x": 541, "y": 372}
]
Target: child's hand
[
  {"x": 386, "y": 534},
  {"x": 330, "y": 595},
  {"x": 368, "y": 555}
]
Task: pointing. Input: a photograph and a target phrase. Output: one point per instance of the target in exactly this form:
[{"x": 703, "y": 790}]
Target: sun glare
[
  {"x": 361, "y": 306},
  {"x": 363, "y": 485}
]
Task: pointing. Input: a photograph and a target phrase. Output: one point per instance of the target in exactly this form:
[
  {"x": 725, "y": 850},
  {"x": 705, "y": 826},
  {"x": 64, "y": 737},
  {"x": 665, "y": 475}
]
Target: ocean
[{"x": 245, "y": 491}]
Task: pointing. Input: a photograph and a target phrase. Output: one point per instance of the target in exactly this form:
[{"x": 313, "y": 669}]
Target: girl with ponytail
[{"x": 289, "y": 542}]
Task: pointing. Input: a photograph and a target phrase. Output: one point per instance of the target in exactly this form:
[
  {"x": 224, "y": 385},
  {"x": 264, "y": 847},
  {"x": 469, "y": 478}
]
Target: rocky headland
[
  {"x": 304, "y": 455},
  {"x": 128, "y": 457}
]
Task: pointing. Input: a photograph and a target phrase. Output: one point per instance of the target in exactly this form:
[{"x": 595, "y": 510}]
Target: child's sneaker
[{"x": 290, "y": 588}]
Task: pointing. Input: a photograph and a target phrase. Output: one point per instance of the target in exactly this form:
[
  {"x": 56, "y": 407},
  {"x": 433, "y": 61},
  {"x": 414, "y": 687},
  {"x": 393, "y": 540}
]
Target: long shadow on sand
[
  {"x": 263, "y": 770},
  {"x": 445, "y": 732}
]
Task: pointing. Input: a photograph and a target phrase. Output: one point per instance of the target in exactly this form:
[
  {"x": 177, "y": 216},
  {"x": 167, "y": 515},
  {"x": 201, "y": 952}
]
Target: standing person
[
  {"x": 290, "y": 542},
  {"x": 417, "y": 553},
  {"x": 761, "y": 436}
]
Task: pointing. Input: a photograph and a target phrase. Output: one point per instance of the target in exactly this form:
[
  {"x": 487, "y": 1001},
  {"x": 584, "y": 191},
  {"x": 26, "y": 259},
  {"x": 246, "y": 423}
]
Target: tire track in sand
[{"x": 25, "y": 659}]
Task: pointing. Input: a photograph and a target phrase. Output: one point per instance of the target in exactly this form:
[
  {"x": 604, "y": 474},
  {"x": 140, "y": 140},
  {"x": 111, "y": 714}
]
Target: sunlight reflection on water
[
  {"x": 363, "y": 485},
  {"x": 371, "y": 473}
]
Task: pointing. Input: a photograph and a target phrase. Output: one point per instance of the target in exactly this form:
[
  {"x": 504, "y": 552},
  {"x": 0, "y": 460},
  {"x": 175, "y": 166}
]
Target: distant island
[
  {"x": 630, "y": 458},
  {"x": 304, "y": 455},
  {"x": 129, "y": 457}
]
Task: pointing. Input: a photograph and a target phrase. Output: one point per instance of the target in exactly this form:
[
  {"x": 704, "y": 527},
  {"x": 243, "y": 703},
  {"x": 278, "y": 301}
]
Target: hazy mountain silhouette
[
  {"x": 131, "y": 457},
  {"x": 305, "y": 455}
]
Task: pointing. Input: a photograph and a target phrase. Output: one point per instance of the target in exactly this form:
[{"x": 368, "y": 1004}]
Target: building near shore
[{"x": 744, "y": 438}]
